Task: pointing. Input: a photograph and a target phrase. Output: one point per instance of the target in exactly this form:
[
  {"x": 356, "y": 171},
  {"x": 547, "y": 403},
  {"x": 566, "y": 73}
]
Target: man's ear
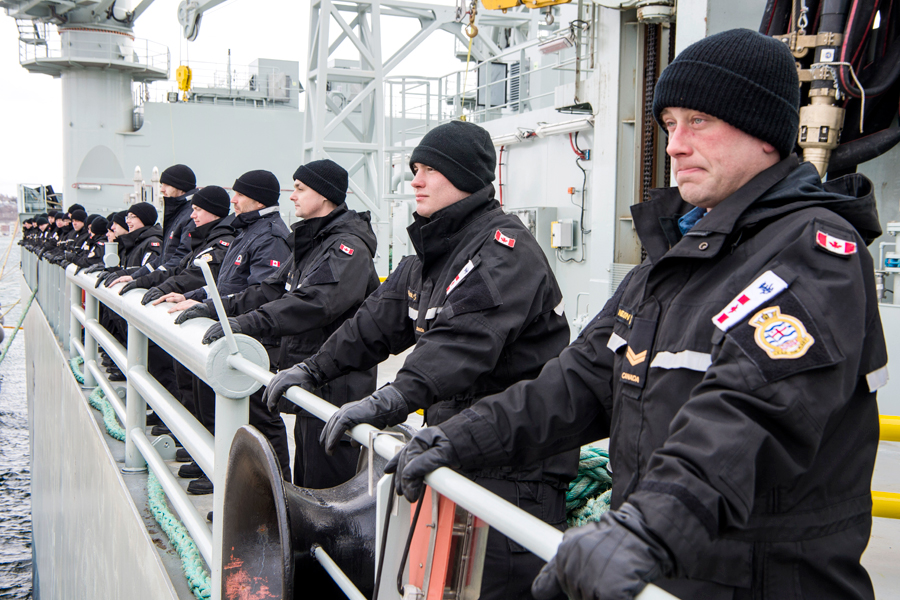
[{"x": 769, "y": 148}]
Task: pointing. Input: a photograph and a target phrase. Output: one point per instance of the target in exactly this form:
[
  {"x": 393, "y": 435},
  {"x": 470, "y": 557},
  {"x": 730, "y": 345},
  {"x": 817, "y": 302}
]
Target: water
[{"x": 15, "y": 469}]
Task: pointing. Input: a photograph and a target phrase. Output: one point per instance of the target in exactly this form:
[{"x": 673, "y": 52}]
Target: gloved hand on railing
[
  {"x": 131, "y": 285},
  {"x": 151, "y": 295},
  {"x": 614, "y": 558},
  {"x": 216, "y": 331},
  {"x": 429, "y": 449},
  {"x": 383, "y": 408},
  {"x": 300, "y": 375},
  {"x": 195, "y": 312},
  {"x": 109, "y": 279},
  {"x": 94, "y": 268}
]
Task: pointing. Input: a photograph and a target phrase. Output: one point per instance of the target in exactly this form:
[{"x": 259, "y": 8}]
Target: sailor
[
  {"x": 139, "y": 245},
  {"x": 177, "y": 184},
  {"x": 77, "y": 238},
  {"x": 735, "y": 369},
  {"x": 93, "y": 253},
  {"x": 481, "y": 306},
  {"x": 314, "y": 291},
  {"x": 257, "y": 252}
]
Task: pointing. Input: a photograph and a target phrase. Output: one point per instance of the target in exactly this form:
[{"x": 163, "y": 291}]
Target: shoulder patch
[
  {"x": 154, "y": 244},
  {"x": 768, "y": 285},
  {"x": 835, "y": 245},
  {"x": 507, "y": 241},
  {"x": 783, "y": 339},
  {"x": 224, "y": 243},
  {"x": 780, "y": 335},
  {"x": 274, "y": 263},
  {"x": 347, "y": 250}
]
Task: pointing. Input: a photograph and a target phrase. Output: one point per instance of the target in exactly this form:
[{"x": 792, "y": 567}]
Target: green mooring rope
[
  {"x": 75, "y": 365},
  {"x": 589, "y": 493},
  {"x": 18, "y": 325},
  {"x": 191, "y": 561}
]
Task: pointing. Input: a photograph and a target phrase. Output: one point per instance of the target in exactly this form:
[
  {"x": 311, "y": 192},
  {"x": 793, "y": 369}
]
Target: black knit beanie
[
  {"x": 119, "y": 218},
  {"x": 41, "y": 221},
  {"x": 146, "y": 212},
  {"x": 745, "y": 78},
  {"x": 212, "y": 199},
  {"x": 78, "y": 215},
  {"x": 179, "y": 177},
  {"x": 99, "y": 226},
  {"x": 261, "y": 186},
  {"x": 460, "y": 151},
  {"x": 326, "y": 177},
  {"x": 51, "y": 213},
  {"x": 75, "y": 207},
  {"x": 90, "y": 218}
]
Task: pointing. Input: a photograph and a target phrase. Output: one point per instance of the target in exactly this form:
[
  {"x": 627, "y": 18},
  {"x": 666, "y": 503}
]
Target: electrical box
[{"x": 562, "y": 234}]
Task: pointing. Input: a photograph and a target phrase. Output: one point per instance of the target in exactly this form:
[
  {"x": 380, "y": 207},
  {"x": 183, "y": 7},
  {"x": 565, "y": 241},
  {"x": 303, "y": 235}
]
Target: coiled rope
[
  {"x": 589, "y": 493},
  {"x": 191, "y": 562}
]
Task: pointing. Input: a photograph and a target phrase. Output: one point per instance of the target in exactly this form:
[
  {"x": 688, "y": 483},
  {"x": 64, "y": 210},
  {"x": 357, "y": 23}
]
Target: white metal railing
[
  {"x": 234, "y": 367},
  {"x": 105, "y": 47}
]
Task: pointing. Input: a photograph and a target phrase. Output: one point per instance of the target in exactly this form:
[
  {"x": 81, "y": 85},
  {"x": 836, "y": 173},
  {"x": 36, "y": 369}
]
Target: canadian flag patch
[
  {"x": 154, "y": 244},
  {"x": 347, "y": 250},
  {"x": 223, "y": 242},
  {"x": 506, "y": 241},
  {"x": 768, "y": 285},
  {"x": 274, "y": 263},
  {"x": 835, "y": 245}
]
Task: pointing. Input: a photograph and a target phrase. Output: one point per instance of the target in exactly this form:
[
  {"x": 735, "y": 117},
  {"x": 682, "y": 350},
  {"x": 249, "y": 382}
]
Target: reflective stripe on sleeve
[{"x": 877, "y": 379}]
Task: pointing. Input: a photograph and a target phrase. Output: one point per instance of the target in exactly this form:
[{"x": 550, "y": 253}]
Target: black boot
[
  {"x": 201, "y": 486},
  {"x": 182, "y": 455},
  {"x": 190, "y": 471}
]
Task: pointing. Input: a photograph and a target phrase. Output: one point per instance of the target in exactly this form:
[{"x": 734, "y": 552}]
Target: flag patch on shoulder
[
  {"x": 835, "y": 245},
  {"x": 768, "y": 285},
  {"x": 223, "y": 242},
  {"x": 274, "y": 263},
  {"x": 505, "y": 240},
  {"x": 347, "y": 250},
  {"x": 154, "y": 244}
]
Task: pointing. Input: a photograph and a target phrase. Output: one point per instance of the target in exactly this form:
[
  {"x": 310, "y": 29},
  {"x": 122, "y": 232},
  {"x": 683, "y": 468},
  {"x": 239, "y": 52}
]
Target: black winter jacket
[
  {"x": 483, "y": 309},
  {"x": 322, "y": 285},
  {"x": 138, "y": 247},
  {"x": 257, "y": 252},
  {"x": 735, "y": 372},
  {"x": 176, "y": 242}
]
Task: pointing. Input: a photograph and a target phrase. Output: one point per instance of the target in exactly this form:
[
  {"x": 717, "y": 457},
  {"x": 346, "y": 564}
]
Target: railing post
[
  {"x": 135, "y": 405},
  {"x": 65, "y": 314},
  {"x": 91, "y": 314},
  {"x": 231, "y": 414},
  {"x": 74, "y": 325}
]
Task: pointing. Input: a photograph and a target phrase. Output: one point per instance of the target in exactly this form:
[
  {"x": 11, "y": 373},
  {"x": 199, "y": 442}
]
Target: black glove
[
  {"x": 101, "y": 277},
  {"x": 195, "y": 312},
  {"x": 113, "y": 276},
  {"x": 131, "y": 285},
  {"x": 297, "y": 375},
  {"x": 94, "y": 268},
  {"x": 429, "y": 449},
  {"x": 384, "y": 407},
  {"x": 613, "y": 559},
  {"x": 216, "y": 331},
  {"x": 152, "y": 294}
]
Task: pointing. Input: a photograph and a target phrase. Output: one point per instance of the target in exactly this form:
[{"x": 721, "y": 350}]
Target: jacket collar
[
  {"x": 437, "y": 236},
  {"x": 246, "y": 219},
  {"x": 653, "y": 219},
  {"x": 307, "y": 231}
]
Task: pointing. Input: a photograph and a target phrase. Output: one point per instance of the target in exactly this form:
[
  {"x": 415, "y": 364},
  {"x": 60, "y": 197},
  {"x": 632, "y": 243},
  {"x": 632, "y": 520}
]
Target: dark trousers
[
  {"x": 268, "y": 424},
  {"x": 312, "y": 467},
  {"x": 509, "y": 568}
]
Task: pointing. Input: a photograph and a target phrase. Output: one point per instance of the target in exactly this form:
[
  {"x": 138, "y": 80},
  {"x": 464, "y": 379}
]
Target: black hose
[
  {"x": 833, "y": 17},
  {"x": 850, "y": 154}
]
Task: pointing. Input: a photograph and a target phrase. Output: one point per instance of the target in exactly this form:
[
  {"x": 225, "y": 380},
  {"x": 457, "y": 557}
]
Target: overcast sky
[{"x": 30, "y": 105}]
